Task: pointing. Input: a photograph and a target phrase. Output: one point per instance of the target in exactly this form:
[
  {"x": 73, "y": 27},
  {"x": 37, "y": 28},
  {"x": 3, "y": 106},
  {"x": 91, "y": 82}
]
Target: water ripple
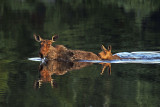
[{"x": 144, "y": 57}]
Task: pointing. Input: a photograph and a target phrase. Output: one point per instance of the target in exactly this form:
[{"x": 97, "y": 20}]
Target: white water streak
[{"x": 144, "y": 57}]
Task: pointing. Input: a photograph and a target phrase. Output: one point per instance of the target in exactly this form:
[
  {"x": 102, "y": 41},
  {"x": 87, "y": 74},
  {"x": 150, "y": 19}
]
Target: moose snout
[{"x": 43, "y": 53}]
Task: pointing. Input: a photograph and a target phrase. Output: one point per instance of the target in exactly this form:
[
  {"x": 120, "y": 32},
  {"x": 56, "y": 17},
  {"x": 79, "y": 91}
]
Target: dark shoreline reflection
[{"x": 53, "y": 67}]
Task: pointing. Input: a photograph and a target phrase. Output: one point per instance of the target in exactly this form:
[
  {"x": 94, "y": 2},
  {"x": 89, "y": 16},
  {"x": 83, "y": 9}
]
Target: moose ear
[
  {"x": 37, "y": 38},
  {"x": 54, "y": 38},
  {"x": 103, "y": 48},
  {"x": 109, "y": 48}
]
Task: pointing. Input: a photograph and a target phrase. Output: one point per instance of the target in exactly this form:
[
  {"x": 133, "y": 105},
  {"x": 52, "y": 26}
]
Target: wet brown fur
[
  {"x": 106, "y": 54},
  {"x": 60, "y": 52}
]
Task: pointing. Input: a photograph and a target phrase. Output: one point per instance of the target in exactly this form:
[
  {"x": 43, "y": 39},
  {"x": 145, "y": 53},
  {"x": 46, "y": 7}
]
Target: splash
[
  {"x": 38, "y": 59},
  {"x": 140, "y": 55}
]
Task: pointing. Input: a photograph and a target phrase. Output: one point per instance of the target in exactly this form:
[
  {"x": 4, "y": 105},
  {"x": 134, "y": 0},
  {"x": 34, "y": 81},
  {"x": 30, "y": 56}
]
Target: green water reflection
[{"x": 127, "y": 25}]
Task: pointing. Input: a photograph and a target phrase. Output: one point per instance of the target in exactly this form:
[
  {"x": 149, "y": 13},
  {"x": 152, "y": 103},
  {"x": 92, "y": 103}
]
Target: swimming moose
[{"x": 61, "y": 53}]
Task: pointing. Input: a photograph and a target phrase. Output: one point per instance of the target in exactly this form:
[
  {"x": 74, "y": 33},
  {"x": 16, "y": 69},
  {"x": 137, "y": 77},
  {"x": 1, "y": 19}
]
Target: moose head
[
  {"x": 105, "y": 53},
  {"x": 45, "y": 44}
]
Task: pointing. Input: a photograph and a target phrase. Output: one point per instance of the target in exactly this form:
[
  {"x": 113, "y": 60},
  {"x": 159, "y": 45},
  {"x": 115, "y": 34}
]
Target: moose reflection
[
  {"x": 104, "y": 65},
  {"x": 47, "y": 69},
  {"x": 54, "y": 67}
]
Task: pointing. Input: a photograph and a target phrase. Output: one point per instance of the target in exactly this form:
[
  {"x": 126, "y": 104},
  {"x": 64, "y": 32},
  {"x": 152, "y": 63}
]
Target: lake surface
[{"x": 127, "y": 25}]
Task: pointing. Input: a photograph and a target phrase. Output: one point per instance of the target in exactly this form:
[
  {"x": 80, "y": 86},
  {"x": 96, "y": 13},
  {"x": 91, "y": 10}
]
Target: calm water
[{"x": 127, "y": 25}]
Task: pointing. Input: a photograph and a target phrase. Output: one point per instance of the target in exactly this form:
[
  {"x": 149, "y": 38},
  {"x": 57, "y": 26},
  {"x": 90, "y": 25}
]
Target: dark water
[{"x": 82, "y": 24}]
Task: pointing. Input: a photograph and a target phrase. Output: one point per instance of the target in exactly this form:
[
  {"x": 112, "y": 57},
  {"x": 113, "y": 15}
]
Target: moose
[
  {"x": 106, "y": 54},
  {"x": 61, "y": 53}
]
